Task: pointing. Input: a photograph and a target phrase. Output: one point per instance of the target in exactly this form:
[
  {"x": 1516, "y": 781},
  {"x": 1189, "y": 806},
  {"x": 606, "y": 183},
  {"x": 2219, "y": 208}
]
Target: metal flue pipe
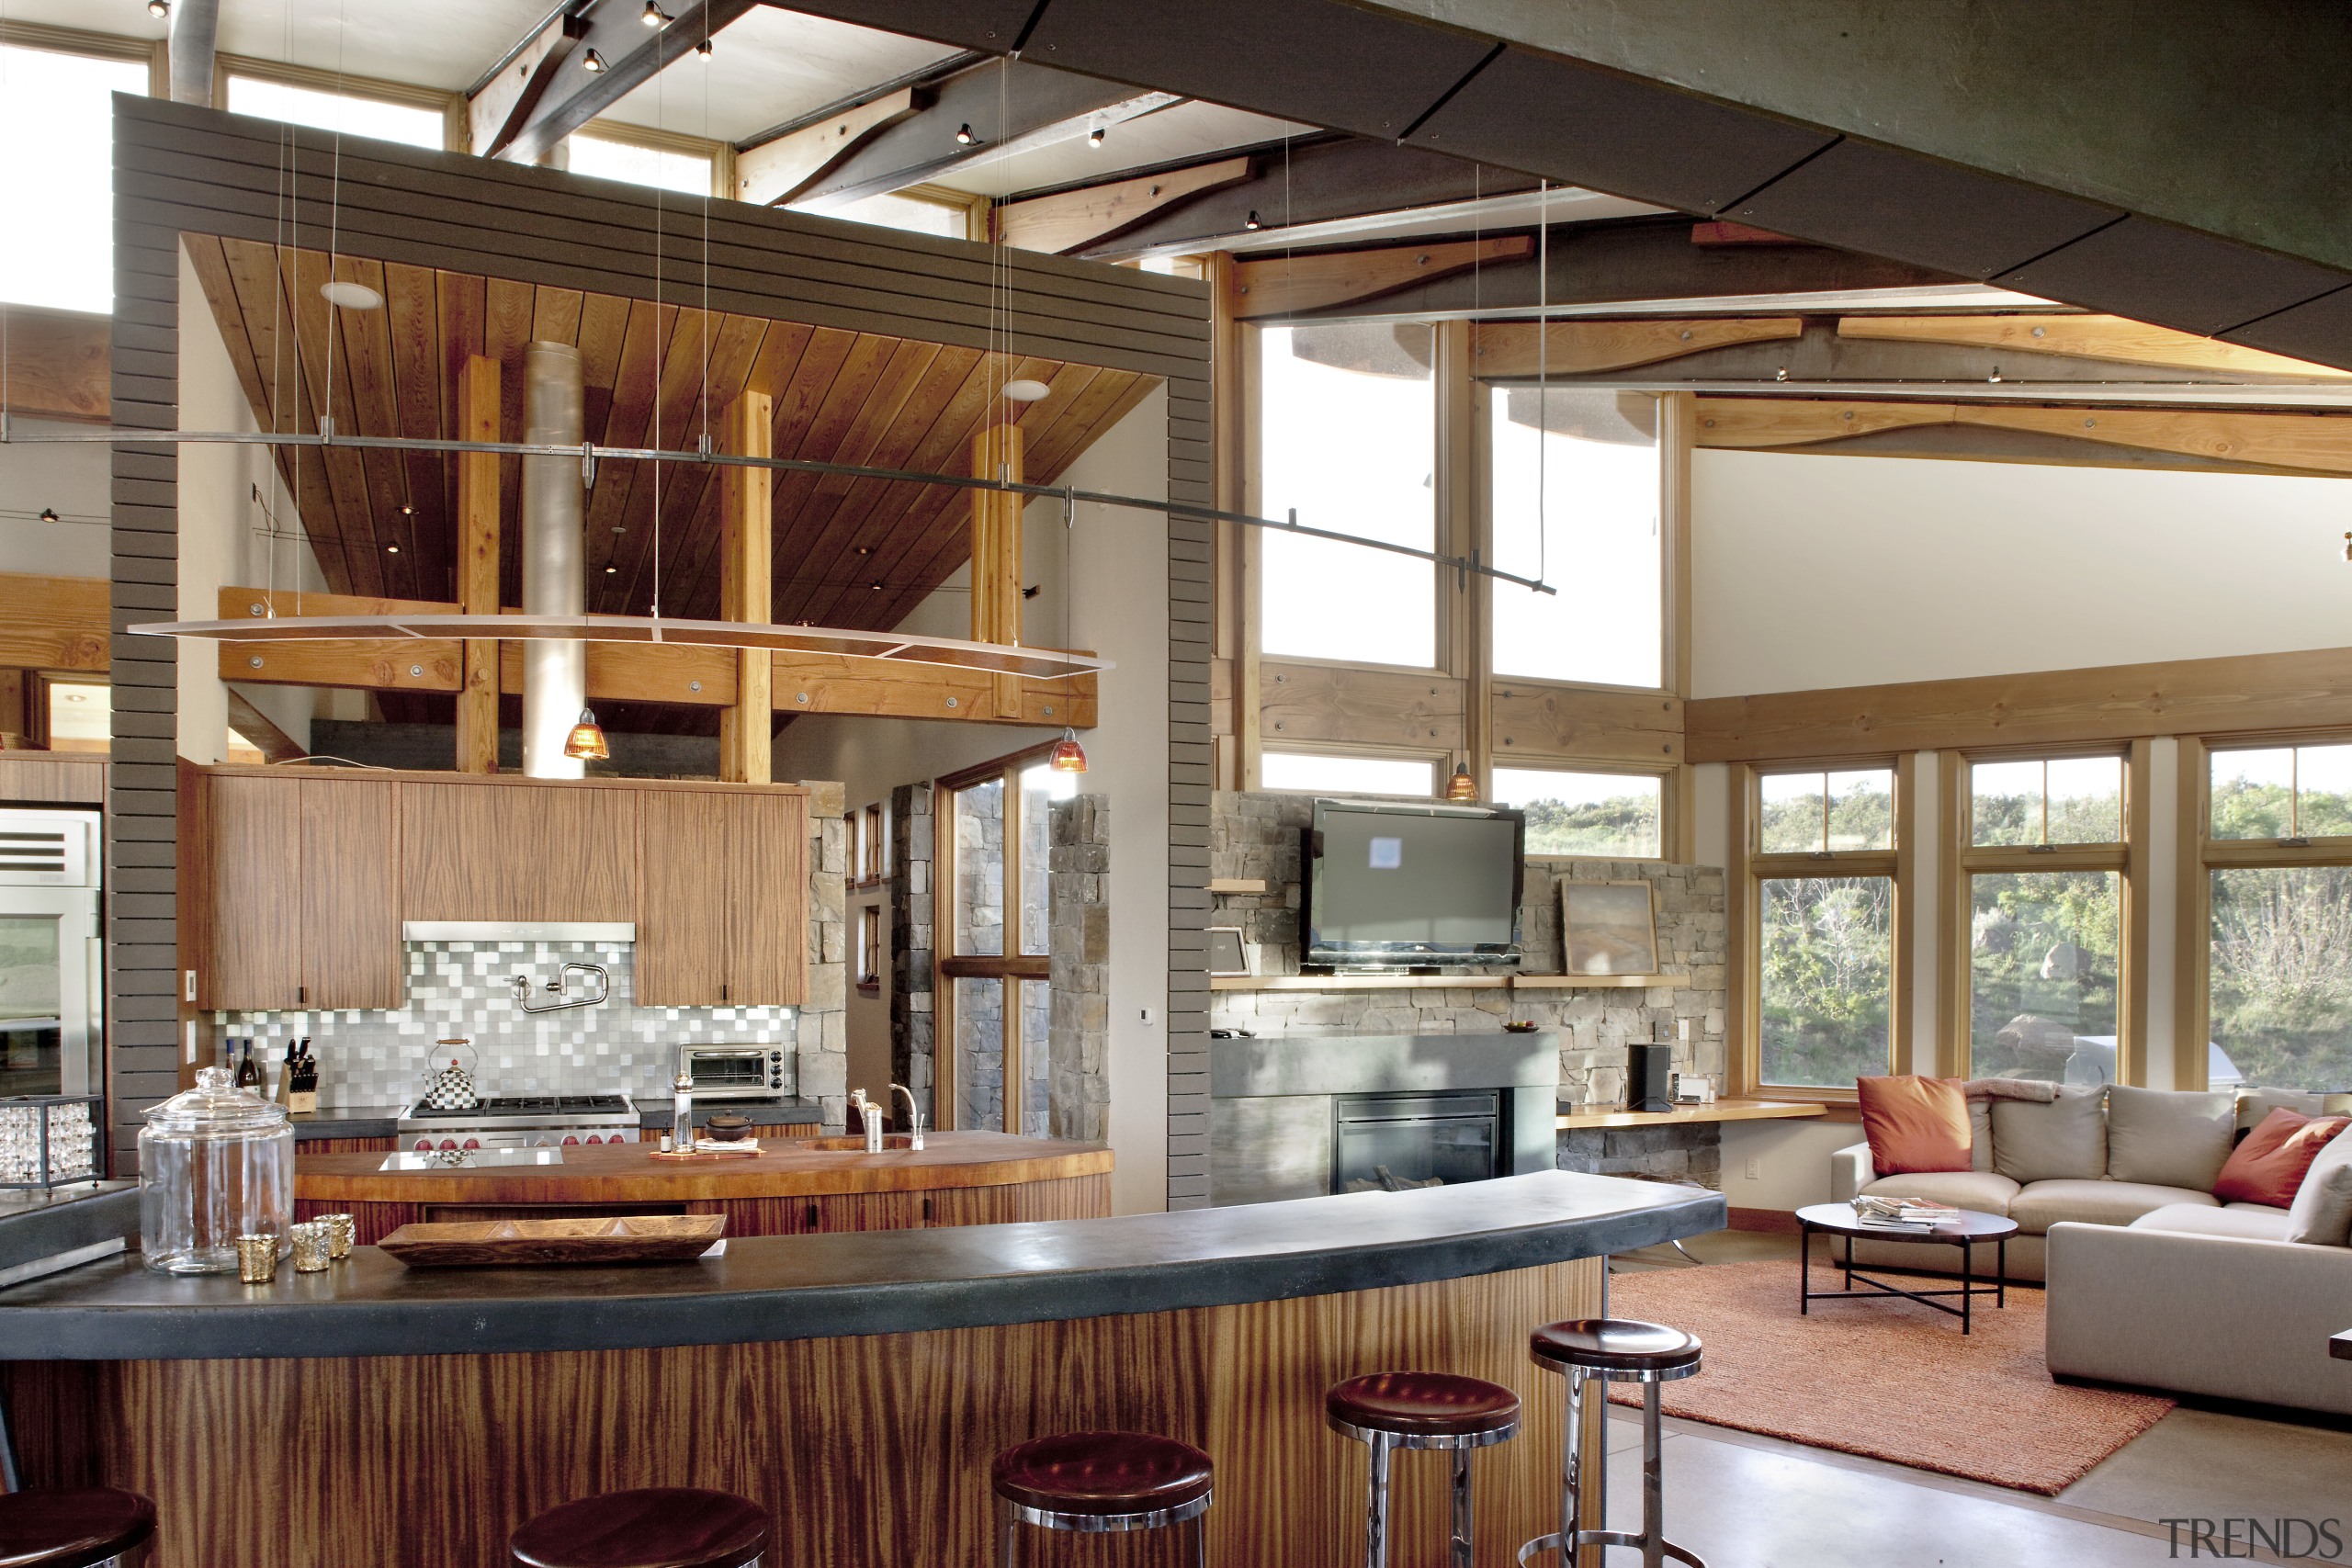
[{"x": 555, "y": 672}]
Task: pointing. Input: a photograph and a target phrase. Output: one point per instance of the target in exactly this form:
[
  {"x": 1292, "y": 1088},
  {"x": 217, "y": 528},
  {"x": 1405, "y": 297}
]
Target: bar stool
[
  {"x": 654, "y": 1526},
  {"x": 87, "y": 1528},
  {"x": 1093, "y": 1481},
  {"x": 1613, "y": 1349},
  {"x": 1421, "y": 1410}
]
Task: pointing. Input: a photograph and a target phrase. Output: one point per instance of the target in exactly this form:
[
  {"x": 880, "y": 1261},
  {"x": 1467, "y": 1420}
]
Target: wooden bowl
[{"x": 729, "y": 1127}]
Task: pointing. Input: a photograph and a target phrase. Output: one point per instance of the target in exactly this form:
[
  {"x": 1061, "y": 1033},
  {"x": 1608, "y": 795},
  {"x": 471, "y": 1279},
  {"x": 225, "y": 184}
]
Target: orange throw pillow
[
  {"x": 1915, "y": 1124},
  {"x": 2269, "y": 1165}
]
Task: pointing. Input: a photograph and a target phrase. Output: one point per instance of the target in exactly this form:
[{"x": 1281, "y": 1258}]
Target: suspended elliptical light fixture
[
  {"x": 1026, "y": 391},
  {"x": 586, "y": 743},
  {"x": 351, "y": 296}
]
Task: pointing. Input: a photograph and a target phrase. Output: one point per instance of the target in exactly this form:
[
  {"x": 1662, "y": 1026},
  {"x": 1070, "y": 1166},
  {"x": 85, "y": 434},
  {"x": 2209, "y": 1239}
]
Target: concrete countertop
[{"x": 806, "y": 1286}]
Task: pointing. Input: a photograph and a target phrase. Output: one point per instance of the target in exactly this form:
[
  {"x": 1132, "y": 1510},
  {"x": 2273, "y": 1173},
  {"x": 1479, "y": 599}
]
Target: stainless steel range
[{"x": 521, "y": 1122}]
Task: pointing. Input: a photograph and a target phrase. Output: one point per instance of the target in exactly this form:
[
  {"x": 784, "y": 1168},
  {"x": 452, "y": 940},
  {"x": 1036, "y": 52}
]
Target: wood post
[
  {"x": 478, "y": 405},
  {"x": 747, "y": 582},
  {"x": 996, "y": 551}
]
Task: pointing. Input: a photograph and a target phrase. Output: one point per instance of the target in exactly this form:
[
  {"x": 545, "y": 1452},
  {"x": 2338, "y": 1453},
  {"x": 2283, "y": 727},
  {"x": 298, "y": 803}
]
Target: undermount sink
[{"x": 853, "y": 1146}]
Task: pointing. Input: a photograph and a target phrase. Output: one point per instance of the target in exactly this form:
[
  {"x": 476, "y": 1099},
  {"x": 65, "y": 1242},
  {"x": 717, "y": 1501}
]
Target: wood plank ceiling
[{"x": 848, "y": 552}]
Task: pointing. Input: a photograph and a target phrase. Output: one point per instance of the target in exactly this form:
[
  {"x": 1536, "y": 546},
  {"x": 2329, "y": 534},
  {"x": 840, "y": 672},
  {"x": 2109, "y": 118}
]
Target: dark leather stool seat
[
  {"x": 656, "y": 1527},
  {"x": 78, "y": 1528},
  {"x": 1422, "y": 1404},
  {"x": 1607, "y": 1350},
  {"x": 1094, "y": 1482},
  {"x": 1622, "y": 1349},
  {"x": 1387, "y": 1411},
  {"x": 1102, "y": 1473}
]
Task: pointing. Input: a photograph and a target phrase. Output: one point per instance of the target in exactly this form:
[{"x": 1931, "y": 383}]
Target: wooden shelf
[
  {"x": 1721, "y": 1110},
  {"x": 1438, "y": 982},
  {"x": 1241, "y": 884}
]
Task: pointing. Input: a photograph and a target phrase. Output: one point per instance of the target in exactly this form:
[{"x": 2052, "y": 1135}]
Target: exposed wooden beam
[
  {"x": 54, "y": 622},
  {"x": 2191, "y": 696},
  {"x": 1532, "y": 721},
  {"x": 1576, "y": 348},
  {"x": 2086, "y": 338},
  {"x": 997, "y": 453},
  {"x": 2314, "y": 443},
  {"x": 631, "y": 56},
  {"x": 1006, "y": 109},
  {"x": 1067, "y": 220},
  {"x": 261, "y": 730},
  {"x": 1282, "y": 286},
  {"x": 478, "y": 558},
  {"x": 618, "y": 672},
  {"x": 746, "y": 582},
  {"x": 58, "y": 365},
  {"x": 776, "y": 171}
]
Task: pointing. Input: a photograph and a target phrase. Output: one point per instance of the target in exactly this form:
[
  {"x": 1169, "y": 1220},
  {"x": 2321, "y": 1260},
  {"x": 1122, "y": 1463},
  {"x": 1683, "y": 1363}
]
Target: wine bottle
[{"x": 248, "y": 1073}]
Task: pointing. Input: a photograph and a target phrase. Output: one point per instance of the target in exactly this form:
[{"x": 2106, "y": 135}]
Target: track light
[
  {"x": 51, "y": 516},
  {"x": 594, "y": 64},
  {"x": 702, "y": 50},
  {"x": 1095, "y": 137},
  {"x": 159, "y": 9},
  {"x": 48, "y": 514},
  {"x": 1252, "y": 222},
  {"x": 963, "y": 137},
  {"x": 654, "y": 16}
]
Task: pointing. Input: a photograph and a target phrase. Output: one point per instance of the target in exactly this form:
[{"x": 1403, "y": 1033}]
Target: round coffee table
[{"x": 1965, "y": 1232}]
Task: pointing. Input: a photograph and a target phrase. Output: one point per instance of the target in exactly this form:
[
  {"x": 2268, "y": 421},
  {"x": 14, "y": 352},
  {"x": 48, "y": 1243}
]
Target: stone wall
[
  {"x": 823, "y": 1027},
  {"x": 912, "y": 1017},
  {"x": 1080, "y": 1097},
  {"x": 1256, "y": 835}
]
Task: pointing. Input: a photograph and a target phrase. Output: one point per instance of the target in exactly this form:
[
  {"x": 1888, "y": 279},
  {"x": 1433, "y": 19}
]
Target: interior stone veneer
[
  {"x": 1256, "y": 836},
  {"x": 913, "y": 936},
  {"x": 1080, "y": 1033}
]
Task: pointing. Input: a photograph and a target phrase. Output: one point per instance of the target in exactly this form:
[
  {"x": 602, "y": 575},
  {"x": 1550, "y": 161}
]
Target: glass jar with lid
[{"x": 214, "y": 1164}]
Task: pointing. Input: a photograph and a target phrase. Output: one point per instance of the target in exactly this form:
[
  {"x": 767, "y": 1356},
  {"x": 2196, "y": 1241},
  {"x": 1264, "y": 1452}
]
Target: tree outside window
[{"x": 1823, "y": 867}]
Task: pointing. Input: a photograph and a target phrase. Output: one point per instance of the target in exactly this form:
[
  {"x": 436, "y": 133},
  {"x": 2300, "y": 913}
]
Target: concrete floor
[{"x": 1742, "y": 1501}]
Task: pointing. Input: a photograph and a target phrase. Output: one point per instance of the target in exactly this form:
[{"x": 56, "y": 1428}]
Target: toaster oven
[{"x": 733, "y": 1072}]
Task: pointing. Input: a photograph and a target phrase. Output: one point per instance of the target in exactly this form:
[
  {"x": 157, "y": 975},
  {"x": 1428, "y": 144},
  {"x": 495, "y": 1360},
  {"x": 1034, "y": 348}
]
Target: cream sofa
[
  {"x": 2153, "y": 1282},
  {"x": 2080, "y": 1157}
]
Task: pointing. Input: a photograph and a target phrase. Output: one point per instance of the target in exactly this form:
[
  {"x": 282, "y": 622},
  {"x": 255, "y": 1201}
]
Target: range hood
[{"x": 518, "y": 930}]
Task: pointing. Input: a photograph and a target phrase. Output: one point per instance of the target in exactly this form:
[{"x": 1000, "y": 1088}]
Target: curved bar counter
[{"x": 857, "y": 1384}]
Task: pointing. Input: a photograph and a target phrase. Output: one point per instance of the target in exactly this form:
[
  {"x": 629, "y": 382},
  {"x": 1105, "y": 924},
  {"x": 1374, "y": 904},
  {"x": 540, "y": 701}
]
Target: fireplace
[{"x": 1390, "y": 1142}]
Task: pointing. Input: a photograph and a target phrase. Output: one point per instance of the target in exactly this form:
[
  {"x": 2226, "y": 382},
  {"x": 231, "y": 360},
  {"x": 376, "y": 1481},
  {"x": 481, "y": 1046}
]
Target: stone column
[
  {"x": 821, "y": 1031},
  {"x": 912, "y": 943},
  {"x": 1080, "y": 947}
]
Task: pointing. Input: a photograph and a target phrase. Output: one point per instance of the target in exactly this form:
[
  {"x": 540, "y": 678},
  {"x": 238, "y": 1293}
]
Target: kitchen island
[
  {"x": 858, "y": 1385},
  {"x": 792, "y": 1186}
]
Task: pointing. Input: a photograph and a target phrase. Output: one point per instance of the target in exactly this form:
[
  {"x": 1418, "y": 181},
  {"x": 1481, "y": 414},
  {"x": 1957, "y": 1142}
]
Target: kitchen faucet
[{"x": 914, "y": 1116}]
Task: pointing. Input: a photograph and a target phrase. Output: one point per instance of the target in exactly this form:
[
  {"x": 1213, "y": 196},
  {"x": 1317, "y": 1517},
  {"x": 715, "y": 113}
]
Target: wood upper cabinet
[
  {"x": 246, "y": 847},
  {"x": 518, "y": 850},
  {"x": 351, "y": 908},
  {"x": 296, "y": 904},
  {"x": 723, "y": 911}
]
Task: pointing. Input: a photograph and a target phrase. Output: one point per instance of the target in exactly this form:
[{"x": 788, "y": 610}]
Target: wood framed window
[
  {"x": 327, "y": 100},
  {"x": 2266, "y": 939},
  {"x": 1821, "y": 906},
  {"x": 1582, "y": 814},
  {"x": 57, "y": 112},
  {"x": 873, "y": 839},
  {"x": 2040, "y": 916},
  {"x": 992, "y": 910},
  {"x": 869, "y": 948}
]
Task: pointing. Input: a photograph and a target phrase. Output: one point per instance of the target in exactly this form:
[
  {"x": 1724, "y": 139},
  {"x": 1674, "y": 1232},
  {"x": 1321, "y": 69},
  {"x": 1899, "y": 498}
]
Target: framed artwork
[
  {"x": 1607, "y": 928},
  {"x": 1227, "y": 955}
]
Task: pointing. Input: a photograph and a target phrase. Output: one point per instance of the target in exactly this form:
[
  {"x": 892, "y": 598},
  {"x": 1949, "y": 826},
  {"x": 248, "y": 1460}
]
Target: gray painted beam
[{"x": 632, "y": 55}]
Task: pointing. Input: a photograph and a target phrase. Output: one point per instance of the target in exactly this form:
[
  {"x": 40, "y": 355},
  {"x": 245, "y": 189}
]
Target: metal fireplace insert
[{"x": 1391, "y": 1141}]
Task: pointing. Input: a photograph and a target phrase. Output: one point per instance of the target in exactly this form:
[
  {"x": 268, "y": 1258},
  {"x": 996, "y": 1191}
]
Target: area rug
[{"x": 1888, "y": 1379}]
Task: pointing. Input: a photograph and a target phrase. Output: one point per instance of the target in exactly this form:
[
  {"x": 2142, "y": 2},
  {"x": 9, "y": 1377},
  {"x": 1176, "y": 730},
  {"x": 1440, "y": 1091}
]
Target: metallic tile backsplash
[{"x": 467, "y": 988}]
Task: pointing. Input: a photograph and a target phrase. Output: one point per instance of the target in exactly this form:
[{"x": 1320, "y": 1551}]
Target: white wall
[
  {"x": 1119, "y": 607},
  {"x": 75, "y": 480},
  {"x": 221, "y": 541},
  {"x": 1791, "y": 1160},
  {"x": 1812, "y": 571}
]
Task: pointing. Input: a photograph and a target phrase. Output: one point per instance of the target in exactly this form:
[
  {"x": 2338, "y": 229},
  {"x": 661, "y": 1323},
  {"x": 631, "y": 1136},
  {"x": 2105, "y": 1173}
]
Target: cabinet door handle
[{"x": 303, "y": 996}]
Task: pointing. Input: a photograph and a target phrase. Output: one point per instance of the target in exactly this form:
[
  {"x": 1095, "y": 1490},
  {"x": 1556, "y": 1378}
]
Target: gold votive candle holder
[
  {"x": 312, "y": 1242},
  {"x": 341, "y": 1233},
  {"x": 256, "y": 1258}
]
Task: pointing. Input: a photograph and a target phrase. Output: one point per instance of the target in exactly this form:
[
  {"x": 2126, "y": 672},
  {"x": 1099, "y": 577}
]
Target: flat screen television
[{"x": 1392, "y": 886}]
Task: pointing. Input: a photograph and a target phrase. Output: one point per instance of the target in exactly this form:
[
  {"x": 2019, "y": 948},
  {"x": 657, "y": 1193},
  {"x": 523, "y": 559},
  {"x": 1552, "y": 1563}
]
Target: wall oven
[{"x": 52, "y": 965}]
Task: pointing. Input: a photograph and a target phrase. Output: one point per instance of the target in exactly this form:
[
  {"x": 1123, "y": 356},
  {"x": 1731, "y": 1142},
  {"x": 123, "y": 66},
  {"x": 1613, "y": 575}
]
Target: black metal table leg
[
  {"x": 1967, "y": 1280},
  {"x": 2001, "y": 1286},
  {"x": 1805, "y": 1269}
]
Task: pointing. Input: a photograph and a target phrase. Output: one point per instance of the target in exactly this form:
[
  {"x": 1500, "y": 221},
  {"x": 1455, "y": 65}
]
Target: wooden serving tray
[{"x": 483, "y": 1244}]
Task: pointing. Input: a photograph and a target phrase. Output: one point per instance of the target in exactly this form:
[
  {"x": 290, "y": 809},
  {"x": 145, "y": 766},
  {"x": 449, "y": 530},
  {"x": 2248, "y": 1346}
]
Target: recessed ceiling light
[
  {"x": 158, "y": 8},
  {"x": 594, "y": 63},
  {"x": 407, "y": 511},
  {"x": 351, "y": 296},
  {"x": 1025, "y": 390},
  {"x": 611, "y": 569},
  {"x": 876, "y": 587},
  {"x": 391, "y": 549}
]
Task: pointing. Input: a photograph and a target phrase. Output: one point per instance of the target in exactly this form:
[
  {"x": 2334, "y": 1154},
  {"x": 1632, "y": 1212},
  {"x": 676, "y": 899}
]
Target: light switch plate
[{"x": 188, "y": 991}]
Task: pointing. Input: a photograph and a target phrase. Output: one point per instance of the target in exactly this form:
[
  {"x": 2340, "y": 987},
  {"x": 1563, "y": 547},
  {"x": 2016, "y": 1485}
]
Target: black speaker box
[{"x": 1646, "y": 1070}]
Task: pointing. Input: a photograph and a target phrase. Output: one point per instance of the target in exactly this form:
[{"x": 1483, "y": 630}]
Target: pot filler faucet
[{"x": 561, "y": 988}]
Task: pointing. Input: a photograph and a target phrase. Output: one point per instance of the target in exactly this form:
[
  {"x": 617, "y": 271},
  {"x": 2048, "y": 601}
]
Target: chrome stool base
[{"x": 1651, "y": 1540}]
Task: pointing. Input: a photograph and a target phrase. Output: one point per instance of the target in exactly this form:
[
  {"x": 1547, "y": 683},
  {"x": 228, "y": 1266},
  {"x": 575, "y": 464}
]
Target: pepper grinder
[{"x": 681, "y": 1113}]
